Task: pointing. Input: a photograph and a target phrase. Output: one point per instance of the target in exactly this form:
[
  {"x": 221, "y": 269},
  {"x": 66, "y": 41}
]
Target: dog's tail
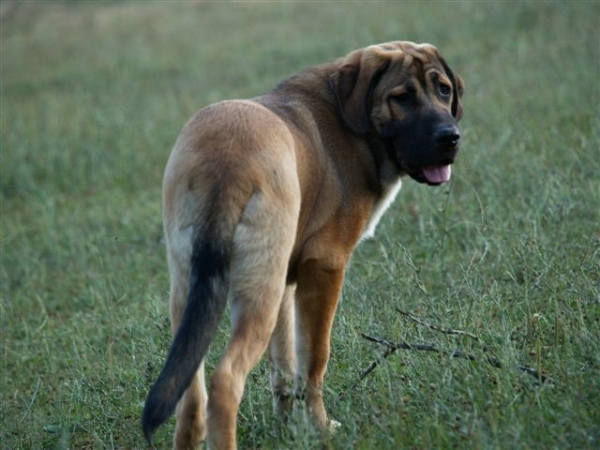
[{"x": 206, "y": 302}]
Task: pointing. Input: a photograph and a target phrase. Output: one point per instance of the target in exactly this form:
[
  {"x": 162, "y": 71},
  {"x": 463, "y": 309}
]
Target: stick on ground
[
  {"x": 437, "y": 328},
  {"x": 391, "y": 347}
]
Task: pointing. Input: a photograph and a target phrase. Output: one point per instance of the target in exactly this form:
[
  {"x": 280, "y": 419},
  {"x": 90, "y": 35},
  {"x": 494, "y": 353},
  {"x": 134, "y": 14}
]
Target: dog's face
[{"x": 407, "y": 95}]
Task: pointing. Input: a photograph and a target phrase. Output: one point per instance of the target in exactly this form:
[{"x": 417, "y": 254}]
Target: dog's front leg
[{"x": 317, "y": 297}]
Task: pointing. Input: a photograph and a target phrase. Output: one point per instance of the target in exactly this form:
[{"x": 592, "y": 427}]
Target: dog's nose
[{"x": 447, "y": 135}]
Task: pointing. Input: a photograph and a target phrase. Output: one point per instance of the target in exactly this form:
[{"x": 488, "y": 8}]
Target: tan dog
[{"x": 264, "y": 201}]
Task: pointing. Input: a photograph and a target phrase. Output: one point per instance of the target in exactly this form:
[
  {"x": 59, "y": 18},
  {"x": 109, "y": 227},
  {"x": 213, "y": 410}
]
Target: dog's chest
[{"x": 382, "y": 204}]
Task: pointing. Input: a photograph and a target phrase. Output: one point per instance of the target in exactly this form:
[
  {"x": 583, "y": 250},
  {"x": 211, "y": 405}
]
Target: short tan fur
[{"x": 265, "y": 200}]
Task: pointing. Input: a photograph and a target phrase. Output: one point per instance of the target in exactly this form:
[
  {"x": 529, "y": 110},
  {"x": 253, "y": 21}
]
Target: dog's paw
[{"x": 333, "y": 425}]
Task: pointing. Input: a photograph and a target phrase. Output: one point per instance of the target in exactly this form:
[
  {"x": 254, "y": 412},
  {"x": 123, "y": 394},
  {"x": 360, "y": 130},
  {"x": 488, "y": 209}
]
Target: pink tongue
[{"x": 437, "y": 174}]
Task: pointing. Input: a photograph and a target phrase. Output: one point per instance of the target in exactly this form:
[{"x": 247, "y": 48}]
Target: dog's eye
[
  {"x": 445, "y": 90},
  {"x": 404, "y": 96}
]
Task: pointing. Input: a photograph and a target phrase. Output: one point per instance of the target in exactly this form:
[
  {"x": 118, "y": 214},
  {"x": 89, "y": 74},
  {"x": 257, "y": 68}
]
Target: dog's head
[{"x": 407, "y": 95}]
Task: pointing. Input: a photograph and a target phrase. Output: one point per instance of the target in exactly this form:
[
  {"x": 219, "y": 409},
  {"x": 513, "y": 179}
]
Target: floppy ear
[
  {"x": 459, "y": 90},
  {"x": 458, "y": 86},
  {"x": 352, "y": 86}
]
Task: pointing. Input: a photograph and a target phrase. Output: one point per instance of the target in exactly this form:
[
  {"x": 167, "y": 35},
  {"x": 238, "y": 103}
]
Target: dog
[{"x": 264, "y": 201}]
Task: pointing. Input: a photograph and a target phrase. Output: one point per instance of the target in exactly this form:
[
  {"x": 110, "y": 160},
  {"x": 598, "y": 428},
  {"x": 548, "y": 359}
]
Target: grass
[{"x": 93, "y": 95}]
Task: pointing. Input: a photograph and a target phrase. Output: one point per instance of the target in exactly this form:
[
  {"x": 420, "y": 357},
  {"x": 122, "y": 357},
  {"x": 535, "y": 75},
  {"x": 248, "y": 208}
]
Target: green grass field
[{"x": 93, "y": 95}]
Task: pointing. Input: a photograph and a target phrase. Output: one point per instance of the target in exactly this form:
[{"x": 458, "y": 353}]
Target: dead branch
[
  {"x": 391, "y": 347},
  {"x": 437, "y": 328}
]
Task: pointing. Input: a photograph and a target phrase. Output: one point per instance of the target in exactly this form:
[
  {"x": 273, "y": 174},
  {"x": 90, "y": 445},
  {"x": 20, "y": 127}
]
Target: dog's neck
[{"x": 292, "y": 94}]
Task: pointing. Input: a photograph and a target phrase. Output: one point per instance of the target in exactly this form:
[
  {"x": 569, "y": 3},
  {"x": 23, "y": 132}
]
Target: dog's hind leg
[
  {"x": 263, "y": 242},
  {"x": 191, "y": 409},
  {"x": 191, "y": 413},
  {"x": 283, "y": 358}
]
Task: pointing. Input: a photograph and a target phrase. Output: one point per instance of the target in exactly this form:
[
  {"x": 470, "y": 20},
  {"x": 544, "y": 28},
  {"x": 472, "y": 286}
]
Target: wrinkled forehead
[
  {"x": 419, "y": 61},
  {"x": 410, "y": 47},
  {"x": 423, "y": 55}
]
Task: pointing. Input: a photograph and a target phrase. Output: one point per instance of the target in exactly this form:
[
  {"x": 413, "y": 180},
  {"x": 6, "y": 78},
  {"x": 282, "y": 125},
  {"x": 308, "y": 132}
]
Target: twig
[
  {"x": 401, "y": 345},
  {"x": 437, "y": 328},
  {"x": 535, "y": 373},
  {"x": 393, "y": 346},
  {"x": 388, "y": 351}
]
